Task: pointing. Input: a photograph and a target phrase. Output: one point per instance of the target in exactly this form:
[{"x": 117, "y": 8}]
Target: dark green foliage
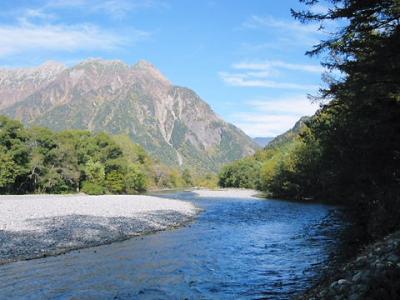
[
  {"x": 244, "y": 173},
  {"x": 349, "y": 152},
  {"x": 136, "y": 180},
  {"x": 14, "y": 155},
  {"x": 115, "y": 182},
  {"x": 358, "y": 131}
]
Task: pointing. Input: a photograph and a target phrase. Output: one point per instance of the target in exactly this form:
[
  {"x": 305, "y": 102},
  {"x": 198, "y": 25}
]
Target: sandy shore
[{"x": 38, "y": 225}]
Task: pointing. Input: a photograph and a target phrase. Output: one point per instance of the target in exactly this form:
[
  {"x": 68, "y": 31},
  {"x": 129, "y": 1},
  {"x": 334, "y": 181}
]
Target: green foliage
[
  {"x": 135, "y": 180},
  {"x": 93, "y": 188},
  {"x": 187, "y": 177},
  {"x": 115, "y": 182},
  {"x": 14, "y": 155},
  {"x": 95, "y": 172},
  {"x": 7, "y": 167},
  {"x": 349, "y": 152},
  {"x": 209, "y": 180},
  {"x": 40, "y": 160},
  {"x": 243, "y": 173}
]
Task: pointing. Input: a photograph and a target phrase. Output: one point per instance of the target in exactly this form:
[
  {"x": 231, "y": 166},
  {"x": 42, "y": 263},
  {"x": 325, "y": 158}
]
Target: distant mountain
[
  {"x": 171, "y": 122},
  {"x": 289, "y": 135},
  {"x": 262, "y": 141}
]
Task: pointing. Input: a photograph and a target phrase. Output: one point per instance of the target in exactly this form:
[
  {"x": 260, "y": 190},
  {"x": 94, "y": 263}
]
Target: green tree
[
  {"x": 15, "y": 154},
  {"x": 115, "y": 182},
  {"x": 135, "y": 180},
  {"x": 357, "y": 129}
]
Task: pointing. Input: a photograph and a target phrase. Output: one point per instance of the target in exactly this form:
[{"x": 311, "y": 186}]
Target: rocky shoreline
[
  {"x": 34, "y": 226},
  {"x": 372, "y": 274}
]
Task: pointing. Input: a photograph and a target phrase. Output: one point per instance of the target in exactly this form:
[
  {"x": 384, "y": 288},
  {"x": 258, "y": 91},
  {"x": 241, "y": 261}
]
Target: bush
[{"x": 92, "y": 188}]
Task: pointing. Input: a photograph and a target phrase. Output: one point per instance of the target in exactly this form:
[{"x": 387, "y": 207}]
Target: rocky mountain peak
[
  {"x": 52, "y": 66},
  {"x": 147, "y": 69},
  {"x": 173, "y": 123}
]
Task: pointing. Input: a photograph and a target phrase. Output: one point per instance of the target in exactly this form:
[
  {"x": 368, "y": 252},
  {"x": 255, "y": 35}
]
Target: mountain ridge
[{"x": 171, "y": 122}]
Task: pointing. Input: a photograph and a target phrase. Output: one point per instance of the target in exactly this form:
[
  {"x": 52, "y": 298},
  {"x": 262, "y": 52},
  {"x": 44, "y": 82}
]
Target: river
[{"x": 235, "y": 249}]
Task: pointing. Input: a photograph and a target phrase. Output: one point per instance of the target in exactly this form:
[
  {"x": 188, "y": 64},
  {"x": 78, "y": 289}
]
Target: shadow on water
[{"x": 237, "y": 248}]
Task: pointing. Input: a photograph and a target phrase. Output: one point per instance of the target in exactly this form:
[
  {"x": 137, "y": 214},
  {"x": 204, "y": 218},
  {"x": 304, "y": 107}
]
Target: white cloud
[
  {"x": 264, "y": 125},
  {"x": 298, "y": 105},
  {"x": 248, "y": 79},
  {"x": 259, "y": 74},
  {"x": 243, "y": 80},
  {"x": 269, "y": 65},
  {"x": 25, "y": 37},
  {"x": 286, "y": 32},
  {"x": 257, "y": 22},
  {"x": 271, "y": 117},
  {"x": 113, "y": 8}
]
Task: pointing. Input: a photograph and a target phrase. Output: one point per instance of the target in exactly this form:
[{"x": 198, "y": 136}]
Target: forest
[
  {"x": 38, "y": 160},
  {"x": 349, "y": 151}
]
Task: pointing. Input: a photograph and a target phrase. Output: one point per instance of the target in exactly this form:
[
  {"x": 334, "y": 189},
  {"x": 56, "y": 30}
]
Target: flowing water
[{"x": 235, "y": 249}]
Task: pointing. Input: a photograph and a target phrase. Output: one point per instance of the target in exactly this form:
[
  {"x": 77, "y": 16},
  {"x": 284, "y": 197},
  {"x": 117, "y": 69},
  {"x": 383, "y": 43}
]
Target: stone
[
  {"x": 343, "y": 282},
  {"x": 393, "y": 258},
  {"x": 357, "y": 277},
  {"x": 334, "y": 285},
  {"x": 354, "y": 297}
]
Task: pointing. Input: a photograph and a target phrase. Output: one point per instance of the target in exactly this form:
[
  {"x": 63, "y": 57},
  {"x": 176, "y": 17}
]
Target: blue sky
[{"x": 244, "y": 57}]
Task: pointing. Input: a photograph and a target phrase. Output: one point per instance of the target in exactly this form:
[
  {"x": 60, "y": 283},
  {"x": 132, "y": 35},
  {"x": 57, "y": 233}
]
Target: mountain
[
  {"x": 262, "y": 141},
  {"x": 289, "y": 135},
  {"x": 171, "y": 122}
]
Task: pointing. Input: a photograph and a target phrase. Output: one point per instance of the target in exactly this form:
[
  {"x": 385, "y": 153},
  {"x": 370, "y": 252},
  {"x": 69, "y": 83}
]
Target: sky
[{"x": 244, "y": 57}]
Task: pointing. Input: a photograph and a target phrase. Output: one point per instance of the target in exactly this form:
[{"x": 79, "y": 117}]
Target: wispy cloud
[
  {"x": 260, "y": 22},
  {"x": 26, "y": 37},
  {"x": 113, "y": 8},
  {"x": 263, "y": 74},
  {"x": 264, "y": 125},
  {"x": 286, "y": 32},
  {"x": 248, "y": 80},
  {"x": 271, "y": 117},
  {"x": 270, "y": 65},
  {"x": 298, "y": 105},
  {"x": 41, "y": 29}
]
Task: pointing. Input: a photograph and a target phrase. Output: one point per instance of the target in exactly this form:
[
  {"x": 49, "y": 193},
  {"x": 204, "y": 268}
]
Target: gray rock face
[{"x": 173, "y": 123}]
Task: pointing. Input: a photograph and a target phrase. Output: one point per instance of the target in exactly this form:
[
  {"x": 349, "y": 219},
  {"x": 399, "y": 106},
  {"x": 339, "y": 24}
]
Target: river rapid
[{"x": 236, "y": 248}]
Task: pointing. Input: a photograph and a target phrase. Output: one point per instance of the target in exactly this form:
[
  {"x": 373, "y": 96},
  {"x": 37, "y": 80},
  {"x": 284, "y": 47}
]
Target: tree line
[
  {"x": 349, "y": 151},
  {"x": 38, "y": 160}
]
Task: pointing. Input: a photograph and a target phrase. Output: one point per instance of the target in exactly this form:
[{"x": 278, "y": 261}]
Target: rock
[
  {"x": 334, "y": 285},
  {"x": 354, "y": 297},
  {"x": 343, "y": 282},
  {"x": 393, "y": 258},
  {"x": 322, "y": 293},
  {"x": 379, "y": 266},
  {"x": 361, "y": 259},
  {"x": 357, "y": 277}
]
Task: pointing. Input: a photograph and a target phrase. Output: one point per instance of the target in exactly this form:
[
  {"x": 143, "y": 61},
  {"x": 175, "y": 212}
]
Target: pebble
[
  {"x": 50, "y": 224},
  {"x": 358, "y": 275}
]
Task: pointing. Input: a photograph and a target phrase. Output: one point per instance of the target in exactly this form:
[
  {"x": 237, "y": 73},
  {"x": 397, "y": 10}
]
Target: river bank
[
  {"x": 33, "y": 226},
  {"x": 373, "y": 274},
  {"x": 239, "y": 246}
]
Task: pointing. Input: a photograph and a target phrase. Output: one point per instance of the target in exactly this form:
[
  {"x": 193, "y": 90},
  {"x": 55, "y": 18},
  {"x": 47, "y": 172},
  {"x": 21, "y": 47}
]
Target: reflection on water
[{"x": 237, "y": 248}]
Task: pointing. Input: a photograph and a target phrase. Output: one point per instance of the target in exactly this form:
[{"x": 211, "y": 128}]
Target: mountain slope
[
  {"x": 171, "y": 122},
  {"x": 262, "y": 141},
  {"x": 288, "y": 136}
]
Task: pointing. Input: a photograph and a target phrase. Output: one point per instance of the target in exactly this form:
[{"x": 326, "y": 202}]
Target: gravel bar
[{"x": 33, "y": 226}]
